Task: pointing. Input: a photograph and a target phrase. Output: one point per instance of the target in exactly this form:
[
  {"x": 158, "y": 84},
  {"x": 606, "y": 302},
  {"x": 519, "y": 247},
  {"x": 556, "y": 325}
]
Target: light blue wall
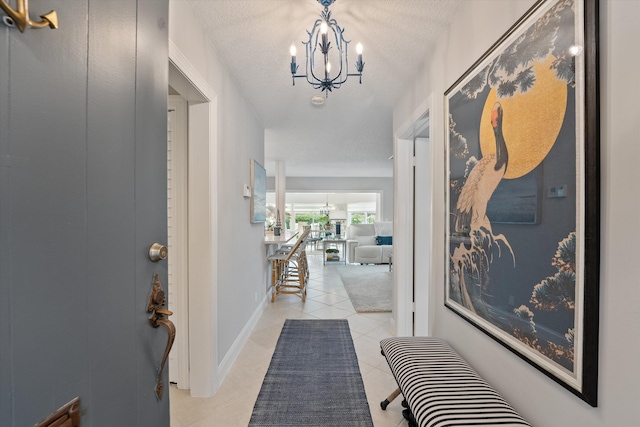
[
  {"x": 478, "y": 24},
  {"x": 240, "y": 138}
]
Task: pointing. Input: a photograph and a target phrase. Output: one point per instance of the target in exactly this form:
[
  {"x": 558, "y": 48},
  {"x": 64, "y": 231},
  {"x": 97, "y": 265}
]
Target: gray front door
[{"x": 82, "y": 198}]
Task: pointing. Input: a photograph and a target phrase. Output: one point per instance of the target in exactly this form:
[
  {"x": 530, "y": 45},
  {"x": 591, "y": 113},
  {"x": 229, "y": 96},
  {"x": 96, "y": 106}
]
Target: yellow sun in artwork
[{"x": 531, "y": 122}]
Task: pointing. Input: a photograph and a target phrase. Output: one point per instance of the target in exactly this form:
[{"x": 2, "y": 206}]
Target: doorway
[
  {"x": 195, "y": 295},
  {"x": 413, "y": 164}
]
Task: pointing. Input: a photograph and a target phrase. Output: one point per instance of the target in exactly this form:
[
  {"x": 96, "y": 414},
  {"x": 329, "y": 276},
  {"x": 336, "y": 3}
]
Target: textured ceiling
[{"x": 351, "y": 135}]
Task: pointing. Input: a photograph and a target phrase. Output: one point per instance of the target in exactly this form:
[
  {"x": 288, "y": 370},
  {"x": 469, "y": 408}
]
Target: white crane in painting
[
  {"x": 483, "y": 180},
  {"x": 472, "y": 213}
]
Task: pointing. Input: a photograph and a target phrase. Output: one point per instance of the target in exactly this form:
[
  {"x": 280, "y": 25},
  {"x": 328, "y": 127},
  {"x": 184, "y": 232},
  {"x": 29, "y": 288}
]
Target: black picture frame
[{"x": 530, "y": 105}]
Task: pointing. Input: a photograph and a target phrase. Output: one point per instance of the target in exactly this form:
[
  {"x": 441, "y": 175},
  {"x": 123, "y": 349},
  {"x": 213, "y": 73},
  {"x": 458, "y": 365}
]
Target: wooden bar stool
[{"x": 290, "y": 270}]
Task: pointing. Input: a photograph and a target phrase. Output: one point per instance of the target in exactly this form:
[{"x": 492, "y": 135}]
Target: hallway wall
[
  {"x": 240, "y": 138},
  {"x": 538, "y": 398}
]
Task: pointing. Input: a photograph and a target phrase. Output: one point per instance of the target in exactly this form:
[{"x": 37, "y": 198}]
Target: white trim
[
  {"x": 423, "y": 244},
  {"x": 203, "y": 229},
  {"x": 413, "y": 278},
  {"x": 403, "y": 237},
  {"x": 413, "y": 125},
  {"x": 190, "y": 73},
  {"x": 177, "y": 239}
]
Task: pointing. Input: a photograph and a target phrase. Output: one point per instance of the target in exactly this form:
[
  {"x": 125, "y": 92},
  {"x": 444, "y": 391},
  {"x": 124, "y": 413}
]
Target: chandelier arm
[
  {"x": 340, "y": 41},
  {"x": 312, "y": 79},
  {"x": 315, "y": 81}
]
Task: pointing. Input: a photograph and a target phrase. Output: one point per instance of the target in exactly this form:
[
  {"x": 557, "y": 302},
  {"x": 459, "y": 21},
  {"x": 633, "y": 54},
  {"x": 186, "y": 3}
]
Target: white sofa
[{"x": 362, "y": 243}]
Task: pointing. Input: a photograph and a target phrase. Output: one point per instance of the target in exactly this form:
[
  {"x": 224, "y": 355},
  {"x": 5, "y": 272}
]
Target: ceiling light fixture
[
  {"x": 326, "y": 209},
  {"x": 317, "y": 100},
  {"x": 320, "y": 39}
]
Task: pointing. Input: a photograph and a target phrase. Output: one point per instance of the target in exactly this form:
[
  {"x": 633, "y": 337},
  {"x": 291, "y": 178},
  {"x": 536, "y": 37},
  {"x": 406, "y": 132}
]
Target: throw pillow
[
  {"x": 366, "y": 240},
  {"x": 384, "y": 240}
]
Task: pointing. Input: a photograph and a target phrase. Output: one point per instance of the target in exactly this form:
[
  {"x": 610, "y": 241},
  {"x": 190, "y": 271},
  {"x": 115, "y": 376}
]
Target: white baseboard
[{"x": 236, "y": 347}]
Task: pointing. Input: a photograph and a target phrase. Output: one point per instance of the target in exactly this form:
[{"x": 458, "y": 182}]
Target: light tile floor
[{"x": 326, "y": 299}]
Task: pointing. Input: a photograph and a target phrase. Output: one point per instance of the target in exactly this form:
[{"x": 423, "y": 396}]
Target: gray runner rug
[{"x": 313, "y": 379}]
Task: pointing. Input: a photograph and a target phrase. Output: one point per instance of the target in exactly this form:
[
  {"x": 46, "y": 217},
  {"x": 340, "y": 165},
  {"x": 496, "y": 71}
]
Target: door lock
[{"x": 158, "y": 252}]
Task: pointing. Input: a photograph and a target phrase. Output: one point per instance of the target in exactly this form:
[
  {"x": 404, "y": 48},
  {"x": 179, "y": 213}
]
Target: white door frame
[
  {"x": 202, "y": 219},
  {"x": 423, "y": 232},
  {"x": 403, "y": 237},
  {"x": 413, "y": 161},
  {"x": 177, "y": 238}
]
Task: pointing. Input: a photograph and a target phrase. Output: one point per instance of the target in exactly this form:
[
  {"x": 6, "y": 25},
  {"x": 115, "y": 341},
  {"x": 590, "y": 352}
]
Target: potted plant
[{"x": 333, "y": 254}]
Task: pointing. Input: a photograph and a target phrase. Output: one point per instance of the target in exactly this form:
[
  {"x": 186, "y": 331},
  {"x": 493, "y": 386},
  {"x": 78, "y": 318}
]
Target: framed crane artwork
[{"x": 522, "y": 192}]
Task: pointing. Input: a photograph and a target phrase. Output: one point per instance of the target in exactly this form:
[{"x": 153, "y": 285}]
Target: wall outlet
[{"x": 255, "y": 297}]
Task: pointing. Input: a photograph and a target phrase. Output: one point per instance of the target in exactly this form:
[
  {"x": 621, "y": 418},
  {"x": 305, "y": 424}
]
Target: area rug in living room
[
  {"x": 313, "y": 379},
  {"x": 370, "y": 287}
]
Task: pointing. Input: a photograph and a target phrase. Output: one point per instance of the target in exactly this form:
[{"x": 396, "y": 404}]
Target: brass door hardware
[
  {"x": 67, "y": 416},
  {"x": 157, "y": 300},
  {"x": 20, "y": 16},
  {"x": 157, "y": 251}
]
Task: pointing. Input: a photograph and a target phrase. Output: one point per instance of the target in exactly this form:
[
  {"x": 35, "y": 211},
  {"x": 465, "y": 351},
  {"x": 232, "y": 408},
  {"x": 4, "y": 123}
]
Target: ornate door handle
[{"x": 157, "y": 300}]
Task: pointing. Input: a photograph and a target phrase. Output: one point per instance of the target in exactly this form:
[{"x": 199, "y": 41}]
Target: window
[{"x": 362, "y": 217}]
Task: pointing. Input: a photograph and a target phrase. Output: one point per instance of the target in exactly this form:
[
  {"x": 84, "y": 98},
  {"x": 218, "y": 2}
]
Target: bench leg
[
  {"x": 406, "y": 413},
  {"x": 389, "y": 399}
]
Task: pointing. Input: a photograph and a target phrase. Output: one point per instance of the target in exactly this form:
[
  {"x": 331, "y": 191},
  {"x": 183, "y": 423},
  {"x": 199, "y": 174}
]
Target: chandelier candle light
[{"x": 320, "y": 39}]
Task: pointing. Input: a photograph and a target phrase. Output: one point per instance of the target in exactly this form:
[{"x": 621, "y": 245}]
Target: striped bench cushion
[{"x": 442, "y": 390}]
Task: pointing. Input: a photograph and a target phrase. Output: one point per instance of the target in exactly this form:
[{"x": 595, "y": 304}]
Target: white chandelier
[{"x": 320, "y": 38}]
